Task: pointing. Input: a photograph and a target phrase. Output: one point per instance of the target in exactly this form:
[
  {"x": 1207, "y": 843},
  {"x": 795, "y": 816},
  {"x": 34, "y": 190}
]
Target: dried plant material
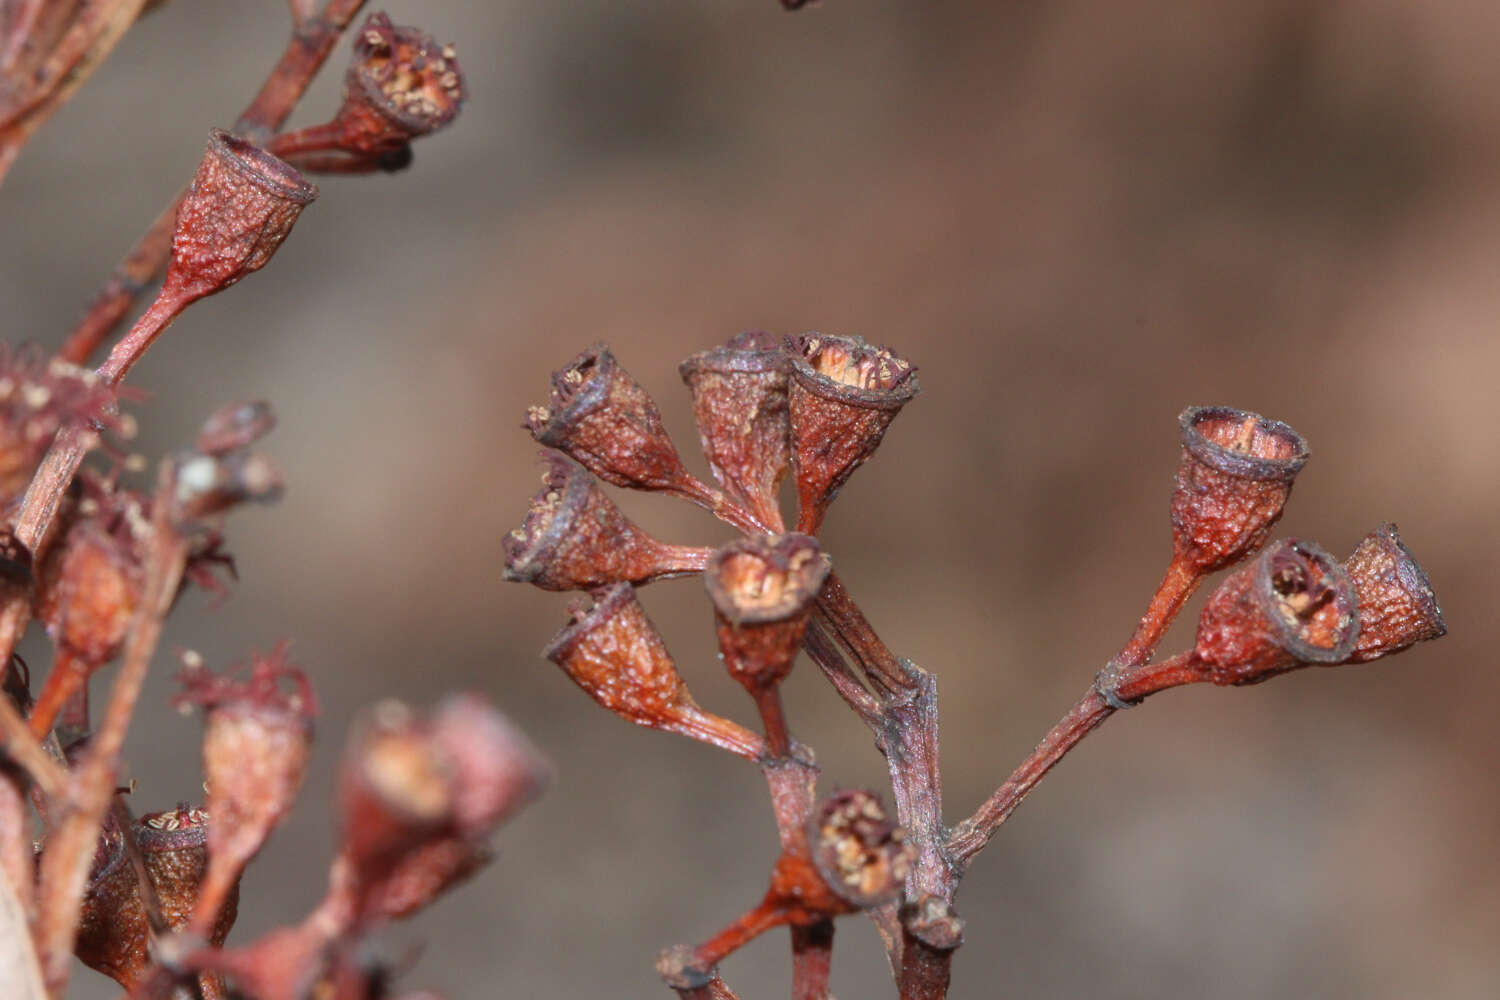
[
  {"x": 1397, "y": 607},
  {"x": 575, "y": 538},
  {"x": 843, "y": 395}
]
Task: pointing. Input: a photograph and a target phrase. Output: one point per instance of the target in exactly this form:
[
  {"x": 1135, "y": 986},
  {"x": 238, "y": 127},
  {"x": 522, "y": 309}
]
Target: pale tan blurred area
[{"x": 1076, "y": 218}]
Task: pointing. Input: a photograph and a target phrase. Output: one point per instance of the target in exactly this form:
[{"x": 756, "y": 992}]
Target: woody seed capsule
[
  {"x": 615, "y": 654},
  {"x": 862, "y": 855},
  {"x": 1293, "y": 606},
  {"x": 1397, "y": 607},
  {"x": 1233, "y": 481},
  {"x": 575, "y": 538},
  {"x": 113, "y": 927},
  {"x": 602, "y": 417},
  {"x": 740, "y": 404},
  {"x": 843, "y": 394},
  {"x": 242, "y": 204},
  {"x": 763, "y": 590},
  {"x": 401, "y": 85}
]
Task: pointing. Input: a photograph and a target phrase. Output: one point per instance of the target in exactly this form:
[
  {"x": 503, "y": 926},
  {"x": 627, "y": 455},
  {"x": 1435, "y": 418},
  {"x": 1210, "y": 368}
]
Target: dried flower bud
[
  {"x": 1293, "y": 606},
  {"x": 114, "y": 928},
  {"x": 740, "y": 404},
  {"x": 401, "y": 85},
  {"x": 614, "y": 653},
  {"x": 843, "y": 394},
  {"x": 257, "y": 734},
  {"x": 602, "y": 417},
  {"x": 396, "y": 790},
  {"x": 92, "y": 583},
  {"x": 763, "y": 589},
  {"x": 90, "y": 588},
  {"x": 1234, "y": 479},
  {"x": 496, "y": 770},
  {"x": 861, "y": 854},
  {"x": 235, "y": 427},
  {"x": 575, "y": 538},
  {"x": 1397, "y": 607},
  {"x": 419, "y": 797},
  {"x": 242, "y": 203},
  {"x": 208, "y": 485}
]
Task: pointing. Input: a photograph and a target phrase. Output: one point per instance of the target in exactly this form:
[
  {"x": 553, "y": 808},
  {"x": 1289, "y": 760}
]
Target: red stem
[
  {"x": 773, "y": 718},
  {"x": 970, "y": 836},
  {"x": 70, "y": 848},
  {"x": 68, "y": 676},
  {"x": 1179, "y": 583},
  {"x": 838, "y": 610},
  {"x": 764, "y": 917},
  {"x": 812, "y": 960}
]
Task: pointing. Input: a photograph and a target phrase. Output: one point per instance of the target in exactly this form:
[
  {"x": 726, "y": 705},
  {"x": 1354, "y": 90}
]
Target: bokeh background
[{"x": 1076, "y": 217}]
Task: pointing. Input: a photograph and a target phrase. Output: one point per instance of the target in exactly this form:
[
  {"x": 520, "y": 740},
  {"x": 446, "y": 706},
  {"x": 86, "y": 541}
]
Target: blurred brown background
[{"x": 1076, "y": 218}]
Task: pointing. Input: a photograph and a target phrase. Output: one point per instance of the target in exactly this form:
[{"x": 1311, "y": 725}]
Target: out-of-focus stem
[
  {"x": 70, "y": 848},
  {"x": 825, "y": 653},
  {"x": 812, "y": 960}
]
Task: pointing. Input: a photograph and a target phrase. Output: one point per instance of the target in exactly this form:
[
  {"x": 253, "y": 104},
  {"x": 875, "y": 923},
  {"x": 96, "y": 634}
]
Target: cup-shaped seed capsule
[
  {"x": 113, "y": 930},
  {"x": 402, "y": 84},
  {"x": 740, "y": 404},
  {"x": 763, "y": 590},
  {"x": 242, "y": 204},
  {"x": 575, "y": 538},
  {"x": 860, "y": 852},
  {"x": 615, "y": 654},
  {"x": 843, "y": 393},
  {"x": 602, "y": 418},
  {"x": 1233, "y": 481},
  {"x": 1397, "y": 607},
  {"x": 1293, "y": 606}
]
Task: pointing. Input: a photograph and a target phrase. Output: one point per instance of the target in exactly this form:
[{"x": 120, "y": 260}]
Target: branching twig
[
  {"x": 65, "y": 863},
  {"x": 309, "y": 48}
]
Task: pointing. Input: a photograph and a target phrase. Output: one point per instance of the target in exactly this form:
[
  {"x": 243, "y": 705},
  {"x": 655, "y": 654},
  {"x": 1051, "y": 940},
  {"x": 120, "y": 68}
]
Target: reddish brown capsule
[
  {"x": 862, "y": 855},
  {"x": 89, "y": 592},
  {"x": 843, "y": 394},
  {"x": 113, "y": 930},
  {"x": 242, "y": 204},
  {"x": 91, "y": 586},
  {"x": 420, "y": 796},
  {"x": 575, "y": 538},
  {"x": 740, "y": 403},
  {"x": 1234, "y": 479},
  {"x": 395, "y": 790},
  {"x": 1293, "y": 606},
  {"x": 256, "y": 739},
  {"x": 614, "y": 653},
  {"x": 763, "y": 590},
  {"x": 496, "y": 770},
  {"x": 602, "y": 417},
  {"x": 1397, "y": 607},
  {"x": 401, "y": 85}
]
